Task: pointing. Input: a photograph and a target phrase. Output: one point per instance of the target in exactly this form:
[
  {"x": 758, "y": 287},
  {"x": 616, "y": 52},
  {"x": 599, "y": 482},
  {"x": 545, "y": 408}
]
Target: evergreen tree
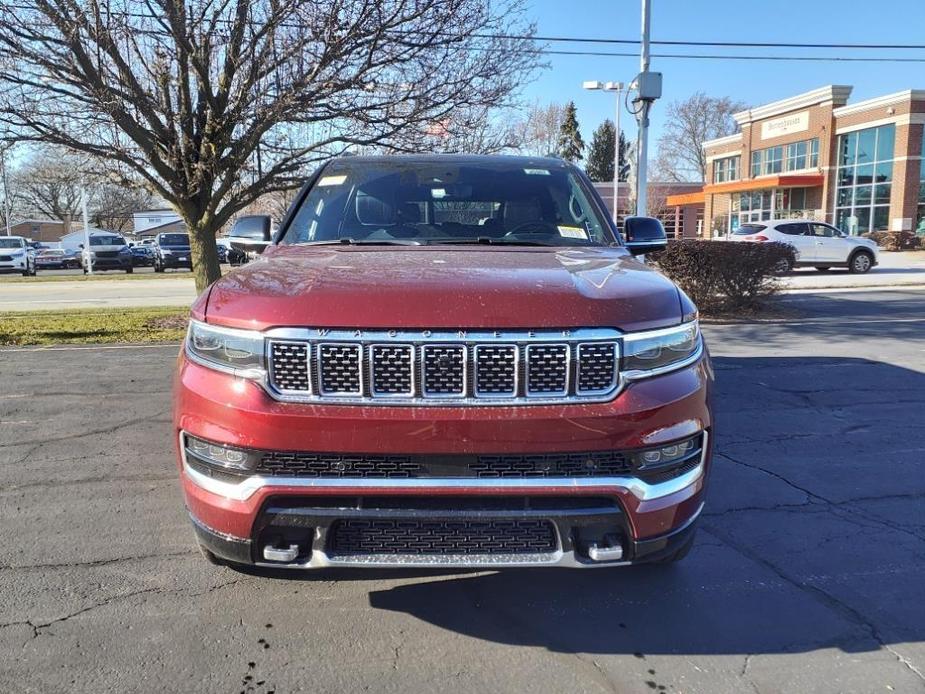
[
  {"x": 601, "y": 151},
  {"x": 571, "y": 146}
]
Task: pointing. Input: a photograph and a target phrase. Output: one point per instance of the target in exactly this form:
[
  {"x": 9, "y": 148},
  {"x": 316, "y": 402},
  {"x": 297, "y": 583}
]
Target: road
[
  {"x": 806, "y": 575},
  {"x": 177, "y": 288}
]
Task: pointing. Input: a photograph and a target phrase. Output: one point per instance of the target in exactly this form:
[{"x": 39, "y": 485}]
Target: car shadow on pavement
[{"x": 813, "y": 535}]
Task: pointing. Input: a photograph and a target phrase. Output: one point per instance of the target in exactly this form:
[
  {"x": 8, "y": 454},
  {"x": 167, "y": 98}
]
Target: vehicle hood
[{"x": 444, "y": 288}]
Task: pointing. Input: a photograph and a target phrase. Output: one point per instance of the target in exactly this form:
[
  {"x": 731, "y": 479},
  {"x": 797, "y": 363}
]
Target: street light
[{"x": 617, "y": 87}]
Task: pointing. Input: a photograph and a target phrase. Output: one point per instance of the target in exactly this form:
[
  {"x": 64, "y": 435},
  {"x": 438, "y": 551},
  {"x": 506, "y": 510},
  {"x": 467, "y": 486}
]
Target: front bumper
[
  {"x": 17, "y": 265},
  {"x": 174, "y": 260},
  {"x": 651, "y": 517},
  {"x": 123, "y": 263}
]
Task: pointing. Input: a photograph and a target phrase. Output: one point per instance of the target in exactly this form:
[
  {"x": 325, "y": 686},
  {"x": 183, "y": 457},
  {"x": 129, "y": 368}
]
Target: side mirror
[
  {"x": 644, "y": 235},
  {"x": 80, "y": 246},
  {"x": 258, "y": 226}
]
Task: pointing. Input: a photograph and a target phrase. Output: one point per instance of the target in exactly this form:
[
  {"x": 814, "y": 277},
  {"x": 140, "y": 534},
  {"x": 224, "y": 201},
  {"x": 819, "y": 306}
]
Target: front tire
[
  {"x": 783, "y": 267},
  {"x": 678, "y": 554},
  {"x": 129, "y": 270},
  {"x": 860, "y": 262},
  {"x": 158, "y": 267}
]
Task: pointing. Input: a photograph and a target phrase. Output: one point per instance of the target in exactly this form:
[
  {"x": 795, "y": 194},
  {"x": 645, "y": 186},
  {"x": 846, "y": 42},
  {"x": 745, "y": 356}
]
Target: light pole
[
  {"x": 6, "y": 190},
  {"x": 617, "y": 87},
  {"x": 642, "y": 149},
  {"x": 88, "y": 254}
]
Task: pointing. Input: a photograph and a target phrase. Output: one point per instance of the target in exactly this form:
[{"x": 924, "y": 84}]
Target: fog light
[
  {"x": 667, "y": 455},
  {"x": 220, "y": 454}
]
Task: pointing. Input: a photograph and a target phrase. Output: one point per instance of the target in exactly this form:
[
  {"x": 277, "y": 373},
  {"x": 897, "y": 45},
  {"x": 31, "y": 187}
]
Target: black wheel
[
  {"x": 129, "y": 270},
  {"x": 158, "y": 267},
  {"x": 783, "y": 266},
  {"x": 860, "y": 262},
  {"x": 35, "y": 271},
  {"x": 678, "y": 554},
  {"x": 822, "y": 268},
  {"x": 26, "y": 273},
  {"x": 85, "y": 271},
  {"x": 210, "y": 557}
]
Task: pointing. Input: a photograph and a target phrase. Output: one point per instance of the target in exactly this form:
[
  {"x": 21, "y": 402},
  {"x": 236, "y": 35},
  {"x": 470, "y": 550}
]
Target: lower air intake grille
[{"x": 421, "y": 537}]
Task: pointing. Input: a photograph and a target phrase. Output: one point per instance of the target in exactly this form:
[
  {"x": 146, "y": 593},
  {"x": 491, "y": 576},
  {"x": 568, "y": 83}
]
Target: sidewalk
[{"x": 899, "y": 269}]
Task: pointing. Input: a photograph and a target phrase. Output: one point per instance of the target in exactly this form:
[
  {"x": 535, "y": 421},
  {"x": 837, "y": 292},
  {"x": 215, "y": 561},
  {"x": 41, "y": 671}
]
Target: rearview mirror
[
  {"x": 644, "y": 235},
  {"x": 256, "y": 226}
]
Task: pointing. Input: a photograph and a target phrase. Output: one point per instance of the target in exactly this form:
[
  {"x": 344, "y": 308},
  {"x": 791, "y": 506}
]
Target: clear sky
[{"x": 754, "y": 82}]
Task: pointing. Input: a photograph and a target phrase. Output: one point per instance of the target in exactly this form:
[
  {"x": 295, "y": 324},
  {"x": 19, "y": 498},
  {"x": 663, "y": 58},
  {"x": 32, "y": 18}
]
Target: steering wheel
[{"x": 536, "y": 226}]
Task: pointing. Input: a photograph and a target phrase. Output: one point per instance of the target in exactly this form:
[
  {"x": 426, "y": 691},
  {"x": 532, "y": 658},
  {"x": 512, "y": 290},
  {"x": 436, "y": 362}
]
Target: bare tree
[
  {"x": 540, "y": 129},
  {"x": 49, "y": 183},
  {"x": 688, "y": 124},
  {"x": 214, "y": 103}
]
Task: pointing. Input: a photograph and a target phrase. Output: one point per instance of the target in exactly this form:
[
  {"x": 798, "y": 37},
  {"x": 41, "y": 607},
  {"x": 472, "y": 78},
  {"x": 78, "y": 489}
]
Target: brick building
[
  {"x": 857, "y": 166},
  {"x": 43, "y": 230}
]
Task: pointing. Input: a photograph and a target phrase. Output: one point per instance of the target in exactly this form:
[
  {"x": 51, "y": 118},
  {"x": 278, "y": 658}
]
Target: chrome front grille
[{"x": 458, "y": 368}]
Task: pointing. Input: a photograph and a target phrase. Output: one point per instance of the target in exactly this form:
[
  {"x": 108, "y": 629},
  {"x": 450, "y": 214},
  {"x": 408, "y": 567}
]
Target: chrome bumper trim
[
  {"x": 559, "y": 559},
  {"x": 247, "y": 487}
]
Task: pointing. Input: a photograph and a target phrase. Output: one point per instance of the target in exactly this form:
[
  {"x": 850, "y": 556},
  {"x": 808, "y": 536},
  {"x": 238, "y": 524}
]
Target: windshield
[
  {"x": 11, "y": 243},
  {"x": 107, "y": 241},
  {"x": 174, "y": 240},
  {"x": 434, "y": 202}
]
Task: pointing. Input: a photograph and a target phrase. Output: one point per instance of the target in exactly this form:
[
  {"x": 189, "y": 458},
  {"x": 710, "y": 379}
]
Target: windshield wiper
[
  {"x": 347, "y": 241},
  {"x": 487, "y": 241}
]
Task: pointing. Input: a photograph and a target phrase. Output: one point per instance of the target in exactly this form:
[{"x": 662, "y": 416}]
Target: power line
[{"x": 611, "y": 54}]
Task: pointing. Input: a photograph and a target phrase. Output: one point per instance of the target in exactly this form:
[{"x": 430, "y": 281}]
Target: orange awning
[
  {"x": 685, "y": 199},
  {"x": 783, "y": 181}
]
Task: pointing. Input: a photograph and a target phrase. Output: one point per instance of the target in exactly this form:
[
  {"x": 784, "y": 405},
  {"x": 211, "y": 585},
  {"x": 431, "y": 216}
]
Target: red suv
[{"x": 448, "y": 361}]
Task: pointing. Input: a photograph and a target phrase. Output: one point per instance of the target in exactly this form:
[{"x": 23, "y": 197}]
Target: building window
[
  {"x": 864, "y": 180},
  {"x": 773, "y": 160},
  {"x": 726, "y": 169},
  {"x": 797, "y": 156},
  {"x": 788, "y": 203},
  {"x": 920, "y": 217}
]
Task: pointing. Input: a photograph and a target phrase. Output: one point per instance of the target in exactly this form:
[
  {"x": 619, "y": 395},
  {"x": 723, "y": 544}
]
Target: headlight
[
  {"x": 656, "y": 351},
  {"x": 125, "y": 249},
  {"x": 236, "y": 351}
]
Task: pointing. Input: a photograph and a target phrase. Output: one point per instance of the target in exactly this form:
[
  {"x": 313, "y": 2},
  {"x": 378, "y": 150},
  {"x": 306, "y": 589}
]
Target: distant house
[
  {"x": 44, "y": 230},
  {"x": 148, "y": 223},
  {"x": 73, "y": 240}
]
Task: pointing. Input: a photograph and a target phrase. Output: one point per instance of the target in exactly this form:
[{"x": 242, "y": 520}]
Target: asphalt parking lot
[{"x": 807, "y": 574}]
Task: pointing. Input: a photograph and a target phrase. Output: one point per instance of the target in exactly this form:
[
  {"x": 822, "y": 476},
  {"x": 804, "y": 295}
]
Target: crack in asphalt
[
  {"x": 834, "y": 506},
  {"x": 97, "y": 562},
  {"x": 37, "y": 627},
  {"x": 53, "y": 484},
  {"x": 93, "y": 432},
  {"x": 823, "y": 597}
]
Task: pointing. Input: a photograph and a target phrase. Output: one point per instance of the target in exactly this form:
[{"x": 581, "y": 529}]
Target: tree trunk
[{"x": 206, "y": 268}]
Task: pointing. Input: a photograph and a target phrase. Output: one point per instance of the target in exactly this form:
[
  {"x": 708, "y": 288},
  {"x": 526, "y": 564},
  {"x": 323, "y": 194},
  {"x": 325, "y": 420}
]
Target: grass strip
[{"x": 93, "y": 326}]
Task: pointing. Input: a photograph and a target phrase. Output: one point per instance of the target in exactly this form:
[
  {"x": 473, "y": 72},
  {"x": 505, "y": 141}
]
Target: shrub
[
  {"x": 724, "y": 275},
  {"x": 895, "y": 240}
]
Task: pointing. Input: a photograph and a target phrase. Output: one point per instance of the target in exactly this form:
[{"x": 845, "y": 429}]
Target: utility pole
[
  {"x": 642, "y": 150},
  {"x": 6, "y": 191},
  {"x": 88, "y": 254}
]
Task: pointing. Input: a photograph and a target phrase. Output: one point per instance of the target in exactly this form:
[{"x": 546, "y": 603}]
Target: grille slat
[
  {"x": 357, "y": 536},
  {"x": 496, "y": 371},
  {"x": 391, "y": 368},
  {"x": 290, "y": 365},
  {"x": 444, "y": 370},
  {"x": 597, "y": 370},
  {"x": 339, "y": 369}
]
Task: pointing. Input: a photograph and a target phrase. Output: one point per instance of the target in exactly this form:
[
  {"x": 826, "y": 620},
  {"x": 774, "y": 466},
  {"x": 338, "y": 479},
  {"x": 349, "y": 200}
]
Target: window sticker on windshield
[
  {"x": 537, "y": 172},
  {"x": 573, "y": 233},
  {"x": 331, "y": 180},
  {"x": 438, "y": 193}
]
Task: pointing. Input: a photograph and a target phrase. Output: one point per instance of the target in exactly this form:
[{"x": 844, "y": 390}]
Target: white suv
[
  {"x": 16, "y": 255},
  {"x": 816, "y": 244}
]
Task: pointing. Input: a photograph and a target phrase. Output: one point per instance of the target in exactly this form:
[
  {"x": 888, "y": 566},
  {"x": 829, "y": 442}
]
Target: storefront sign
[{"x": 785, "y": 125}]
